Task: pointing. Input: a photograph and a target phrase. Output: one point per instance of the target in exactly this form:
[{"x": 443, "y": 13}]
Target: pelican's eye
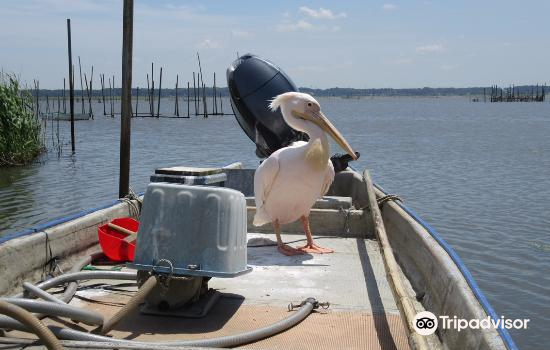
[{"x": 309, "y": 104}]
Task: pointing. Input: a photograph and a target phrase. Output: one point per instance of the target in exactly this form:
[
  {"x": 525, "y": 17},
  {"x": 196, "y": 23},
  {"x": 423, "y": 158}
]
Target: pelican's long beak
[{"x": 322, "y": 121}]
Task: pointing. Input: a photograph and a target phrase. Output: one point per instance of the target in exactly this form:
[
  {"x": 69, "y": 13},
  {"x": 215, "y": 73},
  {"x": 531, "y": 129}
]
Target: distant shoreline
[{"x": 331, "y": 92}]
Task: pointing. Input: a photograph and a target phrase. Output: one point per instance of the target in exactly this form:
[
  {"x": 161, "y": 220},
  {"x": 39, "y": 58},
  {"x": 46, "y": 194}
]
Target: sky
[{"x": 320, "y": 44}]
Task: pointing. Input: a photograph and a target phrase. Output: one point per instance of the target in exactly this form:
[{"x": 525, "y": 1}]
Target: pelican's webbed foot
[
  {"x": 315, "y": 249},
  {"x": 288, "y": 250}
]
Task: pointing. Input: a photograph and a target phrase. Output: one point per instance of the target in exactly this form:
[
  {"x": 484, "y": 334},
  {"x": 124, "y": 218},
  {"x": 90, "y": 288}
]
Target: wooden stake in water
[
  {"x": 214, "y": 97},
  {"x": 188, "y": 97},
  {"x": 137, "y": 100},
  {"x": 126, "y": 97},
  {"x": 81, "y": 86},
  {"x": 102, "y": 78},
  {"x": 195, "y": 95},
  {"x": 152, "y": 101},
  {"x": 204, "y": 101},
  {"x": 176, "y": 105},
  {"x": 160, "y": 89},
  {"x": 64, "y": 98},
  {"x": 111, "y": 97},
  {"x": 90, "y": 94},
  {"x": 71, "y": 83}
]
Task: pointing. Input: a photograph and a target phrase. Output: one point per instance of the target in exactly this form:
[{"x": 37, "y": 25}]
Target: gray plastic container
[{"x": 192, "y": 230}]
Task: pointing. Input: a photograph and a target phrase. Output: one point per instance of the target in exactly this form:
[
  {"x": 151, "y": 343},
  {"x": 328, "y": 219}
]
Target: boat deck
[{"x": 362, "y": 313}]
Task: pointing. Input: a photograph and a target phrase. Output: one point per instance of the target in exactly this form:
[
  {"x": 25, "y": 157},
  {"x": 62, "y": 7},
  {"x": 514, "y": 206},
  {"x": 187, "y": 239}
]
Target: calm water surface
[{"x": 478, "y": 172}]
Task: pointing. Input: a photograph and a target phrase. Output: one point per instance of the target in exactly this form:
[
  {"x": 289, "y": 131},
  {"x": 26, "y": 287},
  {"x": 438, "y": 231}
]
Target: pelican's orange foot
[
  {"x": 288, "y": 250},
  {"x": 315, "y": 249}
]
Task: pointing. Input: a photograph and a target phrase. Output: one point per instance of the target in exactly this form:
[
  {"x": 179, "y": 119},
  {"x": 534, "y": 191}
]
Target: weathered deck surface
[{"x": 362, "y": 313}]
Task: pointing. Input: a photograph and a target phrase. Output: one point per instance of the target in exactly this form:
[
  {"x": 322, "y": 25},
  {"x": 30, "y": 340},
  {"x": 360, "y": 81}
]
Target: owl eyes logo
[{"x": 425, "y": 323}]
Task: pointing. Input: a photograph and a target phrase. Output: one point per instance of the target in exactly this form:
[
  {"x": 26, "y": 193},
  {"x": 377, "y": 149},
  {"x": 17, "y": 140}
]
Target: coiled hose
[
  {"x": 30, "y": 321},
  {"x": 227, "y": 341},
  {"x": 6, "y": 322},
  {"x": 54, "y": 309}
]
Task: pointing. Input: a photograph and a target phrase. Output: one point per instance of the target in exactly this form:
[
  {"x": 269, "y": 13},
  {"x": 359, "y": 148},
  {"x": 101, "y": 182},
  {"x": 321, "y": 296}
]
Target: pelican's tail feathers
[{"x": 261, "y": 218}]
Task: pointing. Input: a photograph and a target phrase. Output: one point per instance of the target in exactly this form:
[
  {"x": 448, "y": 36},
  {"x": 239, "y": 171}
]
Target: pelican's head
[{"x": 303, "y": 113}]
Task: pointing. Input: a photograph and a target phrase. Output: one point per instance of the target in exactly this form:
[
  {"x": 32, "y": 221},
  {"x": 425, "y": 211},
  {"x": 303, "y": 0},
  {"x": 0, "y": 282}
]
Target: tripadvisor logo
[{"x": 425, "y": 323}]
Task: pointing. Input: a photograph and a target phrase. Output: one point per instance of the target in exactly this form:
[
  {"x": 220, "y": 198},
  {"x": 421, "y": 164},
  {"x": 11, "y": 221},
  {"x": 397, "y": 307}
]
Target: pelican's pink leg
[
  {"x": 281, "y": 247},
  {"x": 311, "y": 247}
]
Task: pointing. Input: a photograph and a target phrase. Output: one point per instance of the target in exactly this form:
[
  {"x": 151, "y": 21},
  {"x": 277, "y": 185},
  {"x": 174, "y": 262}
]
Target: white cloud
[
  {"x": 429, "y": 48},
  {"x": 243, "y": 34},
  {"x": 292, "y": 27},
  {"x": 389, "y": 7},
  {"x": 321, "y": 13},
  {"x": 208, "y": 44}
]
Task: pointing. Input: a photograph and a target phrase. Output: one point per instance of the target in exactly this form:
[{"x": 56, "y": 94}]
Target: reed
[{"x": 20, "y": 129}]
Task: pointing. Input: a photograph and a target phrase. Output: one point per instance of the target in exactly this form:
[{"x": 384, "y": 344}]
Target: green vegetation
[{"x": 20, "y": 137}]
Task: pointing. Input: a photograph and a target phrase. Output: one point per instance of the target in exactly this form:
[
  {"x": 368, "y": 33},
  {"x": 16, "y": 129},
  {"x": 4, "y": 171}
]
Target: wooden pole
[
  {"x": 152, "y": 101},
  {"x": 403, "y": 299},
  {"x": 200, "y": 68},
  {"x": 160, "y": 89},
  {"x": 215, "y": 109},
  {"x": 36, "y": 92},
  {"x": 90, "y": 93},
  {"x": 188, "y": 97},
  {"x": 126, "y": 98},
  {"x": 176, "y": 106},
  {"x": 137, "y": 100},
  {"x": 102, "y": 78},
  {"x": 81, "y": 86},
  {"x": 64, "y": 98},
  {"x": 111, "y": 96},
  {"x": 114, "y": 95},
  {"x": 71, "y": 84},
  {"x": 204, "y": 101},
  {"x": 221, "y": 104},
  {"x": 195, "y": 94}
]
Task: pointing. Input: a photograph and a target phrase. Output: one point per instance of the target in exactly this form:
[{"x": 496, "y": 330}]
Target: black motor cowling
[{"x": 253, "y": 82}]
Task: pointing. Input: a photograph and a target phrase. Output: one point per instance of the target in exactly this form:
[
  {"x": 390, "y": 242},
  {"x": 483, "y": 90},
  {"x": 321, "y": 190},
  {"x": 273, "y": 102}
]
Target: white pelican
[{"x": 287, "y": 184}]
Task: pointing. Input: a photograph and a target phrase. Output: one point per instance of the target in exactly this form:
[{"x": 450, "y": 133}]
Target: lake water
[{"x": 478, "y": 172}]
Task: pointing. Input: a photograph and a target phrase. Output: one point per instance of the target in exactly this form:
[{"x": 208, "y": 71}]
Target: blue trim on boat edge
[
  {"x": 58, "y": 221},
  {"x": 506, "y": 337}
]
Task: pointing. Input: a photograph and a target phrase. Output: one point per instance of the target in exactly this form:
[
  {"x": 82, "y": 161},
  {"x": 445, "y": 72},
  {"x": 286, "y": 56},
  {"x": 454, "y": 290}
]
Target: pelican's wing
[
  {"x": 329, "y": 177},
  {"x": 264, "y": 178}
]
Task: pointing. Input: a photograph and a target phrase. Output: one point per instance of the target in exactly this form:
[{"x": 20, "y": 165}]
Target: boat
[
  {"x": 202, "y": 275},
  {"x": 353, "y": 289}
]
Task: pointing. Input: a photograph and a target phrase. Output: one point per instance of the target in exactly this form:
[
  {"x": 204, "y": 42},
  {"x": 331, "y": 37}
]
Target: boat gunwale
[{"x": 465, "y": 272}]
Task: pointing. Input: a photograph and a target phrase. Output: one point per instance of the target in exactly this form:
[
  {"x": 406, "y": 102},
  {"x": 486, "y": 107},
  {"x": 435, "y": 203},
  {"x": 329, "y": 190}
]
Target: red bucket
[{"x": 112, "y": 241}]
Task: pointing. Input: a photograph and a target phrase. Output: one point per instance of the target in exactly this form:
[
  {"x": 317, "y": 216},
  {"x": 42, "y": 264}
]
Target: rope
[
  {"x": 347, "y": 215},
  {"x": 390, "y": 197},
  {"x": 134, "y": 203}
]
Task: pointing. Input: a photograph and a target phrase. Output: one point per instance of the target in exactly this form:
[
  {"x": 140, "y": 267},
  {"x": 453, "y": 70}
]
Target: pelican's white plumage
[
  {"x": 287, "y": 184},
  {"x": 286, "y": 187}
]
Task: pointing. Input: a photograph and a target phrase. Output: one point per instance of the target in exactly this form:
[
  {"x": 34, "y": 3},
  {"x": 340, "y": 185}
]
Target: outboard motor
[{"x": 253, "y": 82}]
